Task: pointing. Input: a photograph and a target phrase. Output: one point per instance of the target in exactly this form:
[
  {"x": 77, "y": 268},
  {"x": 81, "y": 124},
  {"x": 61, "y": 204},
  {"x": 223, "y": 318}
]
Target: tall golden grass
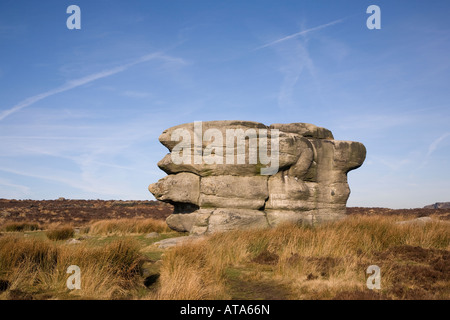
[
  {"x": 317, "y": 262},
  {"x": 20, "y": 226},
  {"x": 313, "y": 262},
  {"x": 127, "y": 226},
  {"x": 63, "y": 232},
  {"x": 39, "y": 267}
]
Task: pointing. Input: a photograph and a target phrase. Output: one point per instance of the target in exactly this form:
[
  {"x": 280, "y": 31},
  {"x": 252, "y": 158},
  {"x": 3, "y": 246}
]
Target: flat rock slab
[
  {"x": 172, "y": 242},
  {"x": 152, "y": 235}
]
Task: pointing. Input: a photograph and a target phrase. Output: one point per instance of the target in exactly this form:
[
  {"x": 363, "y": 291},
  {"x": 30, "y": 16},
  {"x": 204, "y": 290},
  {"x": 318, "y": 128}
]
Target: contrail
[
  {"x": 81, "y": 81},
  {"x": 433, "y": 146},
  {"x": 300, "y": 33}
]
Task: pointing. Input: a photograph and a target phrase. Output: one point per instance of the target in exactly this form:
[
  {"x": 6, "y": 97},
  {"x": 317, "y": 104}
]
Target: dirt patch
[
  {"x": 19, "y": 295},
  {"x": 257, "y": 290},
  {"x": 416, "y": 254},
  {"x": 421, "y": 276},
  {"x": 265, "y": 288}
]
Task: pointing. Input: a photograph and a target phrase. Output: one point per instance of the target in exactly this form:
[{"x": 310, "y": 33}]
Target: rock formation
[
  {"x": 438, "y": 205},
  {"x": 225, "y": 175}
]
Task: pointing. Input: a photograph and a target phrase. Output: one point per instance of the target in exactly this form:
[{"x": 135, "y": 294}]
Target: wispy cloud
[
  {"x": 85, "y": 80},
  {"x": 296, "y": 60},
  {"x": 393, "y": 163},
  {"x": 299, "y": 34},
  {"x": 7, "y": 183},
  {"x": 91, "y": 182},
  {"x": 107, "y": 161},
  {"x": 433, "y": 146}
]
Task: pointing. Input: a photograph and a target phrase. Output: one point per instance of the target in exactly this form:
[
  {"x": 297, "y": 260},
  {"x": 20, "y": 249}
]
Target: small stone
[
  {"x": 73, "y": 241},
  {"x": 172, "y": 242},
  {"x": 152, "y": 235}
]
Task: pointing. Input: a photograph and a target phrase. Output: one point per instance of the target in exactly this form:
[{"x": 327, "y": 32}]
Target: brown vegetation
[
  {"x": 323, "y": 262},
  {"x": 60, "y": 233},
  {"x": 79, "y": 212},
  {"x": 36, "y": 269},
  {"x": 287, "y": 262},
  {"x": 124, "y": 226},
  {"x": 20, "y": 226},
  {"x": 442, "y": 214}
]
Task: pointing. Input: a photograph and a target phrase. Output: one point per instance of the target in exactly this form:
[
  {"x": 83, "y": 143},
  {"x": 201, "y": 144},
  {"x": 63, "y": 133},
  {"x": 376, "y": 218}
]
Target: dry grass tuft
[
  {"x": 124, "y": 226},
  {"x": 186, "y": 275},
  {"x": 20, "y": 226},
  {"x": 60, "y": 233},
  {"x": 38, "y": 267}
]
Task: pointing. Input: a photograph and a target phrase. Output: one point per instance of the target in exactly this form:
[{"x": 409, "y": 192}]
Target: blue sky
[{"x": 81, "y": 110}]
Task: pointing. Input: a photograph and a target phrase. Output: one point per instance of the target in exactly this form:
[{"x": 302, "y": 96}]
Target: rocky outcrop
[
  {"x": 225, "y": 175},
  {"x": 438, "y": 205}
]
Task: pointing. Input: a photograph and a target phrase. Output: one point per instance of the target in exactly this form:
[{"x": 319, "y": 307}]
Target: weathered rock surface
[
  {"x": 152, "y": 235},
  {"x": 225, "y": 175},
  {"x": 172, "y": 242}
]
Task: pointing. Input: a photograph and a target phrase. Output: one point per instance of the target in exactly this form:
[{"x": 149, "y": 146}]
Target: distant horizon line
[{"x": 154, "y": 200}]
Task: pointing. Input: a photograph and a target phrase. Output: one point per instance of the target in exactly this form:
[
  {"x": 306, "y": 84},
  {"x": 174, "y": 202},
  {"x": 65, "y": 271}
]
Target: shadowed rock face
[{"x": 221, "y": 185}]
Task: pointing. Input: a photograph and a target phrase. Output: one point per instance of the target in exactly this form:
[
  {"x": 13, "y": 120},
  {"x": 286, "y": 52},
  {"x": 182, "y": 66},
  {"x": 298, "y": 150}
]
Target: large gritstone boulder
[{"x": 225, "y": 175}]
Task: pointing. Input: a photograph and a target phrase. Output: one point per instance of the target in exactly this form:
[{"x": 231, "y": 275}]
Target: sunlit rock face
[{"x": 226, "y": 175}]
